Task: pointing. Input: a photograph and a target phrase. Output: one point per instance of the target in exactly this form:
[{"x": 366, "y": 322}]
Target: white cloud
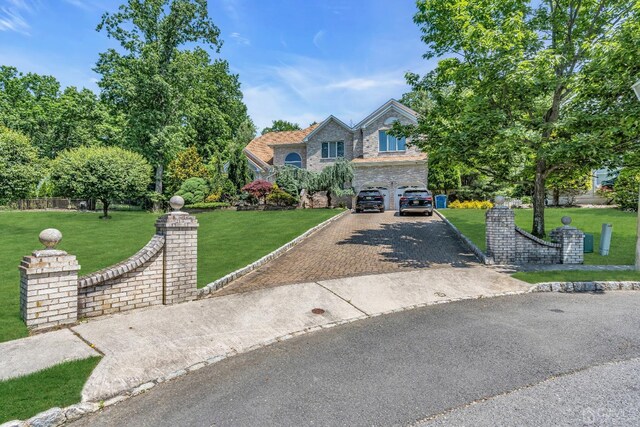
[
  {"x": 317, "y": 38},
  {"x": 240, "y": 39},
  {"x": 304, "y": 90},
  {"x": 13, "y": 15},
  {"x": 87, "y": 4}
]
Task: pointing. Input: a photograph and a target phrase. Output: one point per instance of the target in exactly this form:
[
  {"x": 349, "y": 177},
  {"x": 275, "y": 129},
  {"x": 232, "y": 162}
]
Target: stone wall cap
[{"x": 42, "y": 253}]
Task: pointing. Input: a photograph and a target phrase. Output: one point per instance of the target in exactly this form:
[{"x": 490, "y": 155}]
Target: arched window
[{"x": 293, "y": 159}]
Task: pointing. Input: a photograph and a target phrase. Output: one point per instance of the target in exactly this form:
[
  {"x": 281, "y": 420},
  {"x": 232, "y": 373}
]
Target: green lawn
[
  {"x": 471, "y": 222},
  {"x": 577, "y": 276},
  {"x": 60, "y": 385},
  {"x": 227, "y": 240}
]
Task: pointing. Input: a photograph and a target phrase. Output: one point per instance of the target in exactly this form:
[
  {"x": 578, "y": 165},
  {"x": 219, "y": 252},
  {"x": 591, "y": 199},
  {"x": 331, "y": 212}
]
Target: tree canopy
[
  {"x": 280, "y": 125},
  {"x": 164, "y": 83},
  {"x": 516, "y": 92},
  {"x": 19, "y": 166},
  {"x": 106, "y": 174}
]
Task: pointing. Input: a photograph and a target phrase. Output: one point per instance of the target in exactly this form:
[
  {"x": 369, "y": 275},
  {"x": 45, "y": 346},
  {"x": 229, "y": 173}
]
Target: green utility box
[{"x": 588, "y": 243}]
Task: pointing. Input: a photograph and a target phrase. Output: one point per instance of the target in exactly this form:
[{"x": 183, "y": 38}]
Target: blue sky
[{"x": 298, "y": 60}]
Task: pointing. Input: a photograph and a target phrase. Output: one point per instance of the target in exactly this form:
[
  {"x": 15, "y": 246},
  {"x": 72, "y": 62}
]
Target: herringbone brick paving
[{"x": 360, "y": 244}]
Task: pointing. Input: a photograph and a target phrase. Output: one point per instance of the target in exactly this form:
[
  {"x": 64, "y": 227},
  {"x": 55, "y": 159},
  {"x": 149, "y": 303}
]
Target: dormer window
[
  {"x": 293, "y": 159},
  {"x": 390, "y": 143}
]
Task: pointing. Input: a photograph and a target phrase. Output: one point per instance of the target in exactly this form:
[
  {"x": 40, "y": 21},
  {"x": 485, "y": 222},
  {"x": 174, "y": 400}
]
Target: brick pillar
[
  {"x": 572, "y": 242},
  {"x": 180, "y": 230},
  {"x": 49, "y": 285},
  {"x": 500, "y": 233}
]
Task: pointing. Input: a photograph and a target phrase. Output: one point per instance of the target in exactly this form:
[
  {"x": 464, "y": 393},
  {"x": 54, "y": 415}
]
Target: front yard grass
[
  {"x": 60, "y": 385},
  {"x": 577, "y": 276},
  {"x": 227, "y": 240}
]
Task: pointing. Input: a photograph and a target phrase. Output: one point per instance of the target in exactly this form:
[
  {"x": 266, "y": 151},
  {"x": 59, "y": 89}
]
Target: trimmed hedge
[{"x": 208, "y": 205}]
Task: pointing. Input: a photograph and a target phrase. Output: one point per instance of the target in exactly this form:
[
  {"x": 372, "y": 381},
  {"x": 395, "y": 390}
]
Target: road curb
[
  {"x": 596, "y": 286},
  {"x": 486, "y": 260},
  {"x": 234, "y": 275}
]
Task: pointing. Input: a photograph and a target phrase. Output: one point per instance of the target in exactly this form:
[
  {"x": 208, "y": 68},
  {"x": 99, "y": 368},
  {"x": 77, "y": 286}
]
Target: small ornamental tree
[
  {"x": 259, "y": 189},
  {"x": 193, "y": 190},
  {"x": 187, "y": 164},
  {"x": 19, "y": 166},
  {"x": 106, "y": 174},
  {"x": 332, "y": 180}
]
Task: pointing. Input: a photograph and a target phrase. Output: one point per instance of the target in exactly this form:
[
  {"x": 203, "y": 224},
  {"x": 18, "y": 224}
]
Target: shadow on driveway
[{"x": 415, "y": 244}]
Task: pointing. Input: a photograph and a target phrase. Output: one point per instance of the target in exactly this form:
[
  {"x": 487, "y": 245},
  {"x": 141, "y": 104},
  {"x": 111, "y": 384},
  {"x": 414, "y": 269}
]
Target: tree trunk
[
  {"x": 328, "y": 199},
  {"x": 539, "y": 194},
  {"x": 105, "y": 209},
  {"x": 556, "y": 197},
  {"x": 157, "y": 205}
]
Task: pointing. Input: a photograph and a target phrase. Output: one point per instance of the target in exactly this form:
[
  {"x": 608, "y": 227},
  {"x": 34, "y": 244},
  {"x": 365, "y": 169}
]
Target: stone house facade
[{"x": 379, "y": 160}]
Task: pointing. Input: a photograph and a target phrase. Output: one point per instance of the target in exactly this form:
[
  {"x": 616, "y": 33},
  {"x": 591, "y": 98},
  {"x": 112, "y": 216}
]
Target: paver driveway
[{"x": 359, "y": 244}]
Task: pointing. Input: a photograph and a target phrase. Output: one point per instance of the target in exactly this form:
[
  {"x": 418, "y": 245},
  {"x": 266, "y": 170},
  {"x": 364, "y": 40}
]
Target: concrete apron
[{"x": 155, "y": 343}]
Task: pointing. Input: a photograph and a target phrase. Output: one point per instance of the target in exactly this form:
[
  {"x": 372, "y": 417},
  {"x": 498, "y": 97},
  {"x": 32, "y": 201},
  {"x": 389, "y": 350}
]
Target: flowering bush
[{"x": 470, "y": 204}]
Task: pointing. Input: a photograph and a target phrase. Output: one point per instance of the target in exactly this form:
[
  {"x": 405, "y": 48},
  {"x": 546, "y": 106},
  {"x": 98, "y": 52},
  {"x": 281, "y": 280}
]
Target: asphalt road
[{"x": 547, "y": 356}]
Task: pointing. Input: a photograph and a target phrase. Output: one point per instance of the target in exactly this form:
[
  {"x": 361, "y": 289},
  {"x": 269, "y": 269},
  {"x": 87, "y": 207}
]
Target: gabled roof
[
  {"x": 260, "y": 147},
  {"x": 328, "y": 120},
  {"x": 391, "y": 104}
]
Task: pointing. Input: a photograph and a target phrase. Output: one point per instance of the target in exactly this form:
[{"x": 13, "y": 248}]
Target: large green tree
[
  {"x": 54, "y": 120},
  {"x": 150, "y": 80},
  {"x": 106, "y": 174},
  {"x": 505, "y": 96},
  {"x": 20, "y": 167}
]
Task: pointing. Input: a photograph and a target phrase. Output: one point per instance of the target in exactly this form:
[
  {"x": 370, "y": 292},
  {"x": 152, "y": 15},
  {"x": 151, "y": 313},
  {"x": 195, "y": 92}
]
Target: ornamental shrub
[
  {"x": 279, "y": 197},
  {"x": 207, "y": 205},
  {"x": 259, "y": 189},
  {"x": 470, "y": 204},
  {"x": 193, "y": 190},
  {"x": 625, "y": 190}
]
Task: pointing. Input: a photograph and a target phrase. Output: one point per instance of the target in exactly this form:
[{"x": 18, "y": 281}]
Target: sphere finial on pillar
[
  {"x": 176, "y": 202},
  {"x": 499, "y": 200},
  {"x": 566, "y": 220},
  {"x": 50, "y": 237}
]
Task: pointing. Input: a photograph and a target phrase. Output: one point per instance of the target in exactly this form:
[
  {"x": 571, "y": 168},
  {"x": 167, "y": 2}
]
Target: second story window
[
  {"x": 332, "y": 150},
  {"x": 391, "y": 143}
]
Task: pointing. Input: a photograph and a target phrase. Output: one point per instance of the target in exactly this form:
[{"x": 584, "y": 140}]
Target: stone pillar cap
[
  {"x": 50, "y": 238},
  {"x": 176, "y": 202}
]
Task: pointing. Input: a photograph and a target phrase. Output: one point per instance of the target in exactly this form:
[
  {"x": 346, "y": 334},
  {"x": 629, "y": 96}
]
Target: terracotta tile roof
[
  {"x": 260, "y": 146},
  {"x": 387, "y": 159}
]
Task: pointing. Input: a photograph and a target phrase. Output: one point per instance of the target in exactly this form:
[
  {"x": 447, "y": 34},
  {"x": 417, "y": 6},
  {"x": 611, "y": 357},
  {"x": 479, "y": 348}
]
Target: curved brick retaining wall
[
  {"x": 133, "y": 283},
  {"x": 163, "y": 272}
]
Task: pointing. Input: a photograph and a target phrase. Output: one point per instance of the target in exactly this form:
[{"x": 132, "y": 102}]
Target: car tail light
[
  {"x": 378, "y": 199},
  {"x": 429, "y": 199}
]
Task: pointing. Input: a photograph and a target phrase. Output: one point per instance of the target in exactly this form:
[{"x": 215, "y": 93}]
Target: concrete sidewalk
[{"x": 162, "y": 342}]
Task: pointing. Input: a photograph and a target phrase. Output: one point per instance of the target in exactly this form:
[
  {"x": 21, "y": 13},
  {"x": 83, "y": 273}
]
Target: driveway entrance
[{"x": 361, "y": 244}]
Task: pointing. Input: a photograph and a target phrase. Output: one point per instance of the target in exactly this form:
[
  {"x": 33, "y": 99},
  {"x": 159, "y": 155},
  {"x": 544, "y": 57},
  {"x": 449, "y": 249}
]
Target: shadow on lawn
[{"x": 415, "y": 244}]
